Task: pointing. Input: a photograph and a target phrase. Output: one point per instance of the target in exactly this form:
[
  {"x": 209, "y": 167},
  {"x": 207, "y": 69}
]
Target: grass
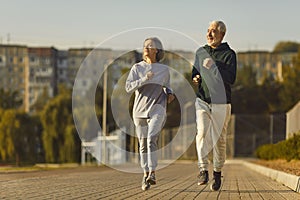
[{"x": 36, "y": 167}]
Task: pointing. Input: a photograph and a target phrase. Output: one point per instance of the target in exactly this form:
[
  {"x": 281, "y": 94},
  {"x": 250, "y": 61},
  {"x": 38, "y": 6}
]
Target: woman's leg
[
  {"x": 141, "y": 127},
  {"x": 155, "y": 124}
]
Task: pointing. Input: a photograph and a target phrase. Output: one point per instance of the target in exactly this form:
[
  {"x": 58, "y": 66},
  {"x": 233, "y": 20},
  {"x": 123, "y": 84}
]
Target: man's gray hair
[{"x": 221, "y": 26}]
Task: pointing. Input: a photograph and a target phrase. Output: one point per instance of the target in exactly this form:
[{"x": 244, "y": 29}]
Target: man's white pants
[{"x": 212, "y": 122}]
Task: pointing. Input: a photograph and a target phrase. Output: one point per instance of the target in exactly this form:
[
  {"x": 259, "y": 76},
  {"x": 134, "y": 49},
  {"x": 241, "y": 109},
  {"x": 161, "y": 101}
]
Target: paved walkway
[{"x": 177, "y": 181}]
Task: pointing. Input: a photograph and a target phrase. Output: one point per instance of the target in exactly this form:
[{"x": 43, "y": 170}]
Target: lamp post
[
  {"x": 271, "y": 128},
  {"x": 185, "y": 122},
  {"x": 104, "y": 112}
]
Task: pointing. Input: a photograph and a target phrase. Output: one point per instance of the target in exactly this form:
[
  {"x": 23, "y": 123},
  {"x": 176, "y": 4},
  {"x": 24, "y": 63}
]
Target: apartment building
[
  {"x": 62, "y": 67},
  {"x": 42, "y": 73},
  {"x": 34, "y": 71},
  {"x": 265, "y": 63},
  {"x": 91, "y": 63},
  {"x": 14, "y": 70},
  {"x": 75, "y": 59}
]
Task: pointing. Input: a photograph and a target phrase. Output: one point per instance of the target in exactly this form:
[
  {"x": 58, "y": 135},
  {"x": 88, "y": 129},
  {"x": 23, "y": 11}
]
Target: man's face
[{"x": 214, "y": 36}]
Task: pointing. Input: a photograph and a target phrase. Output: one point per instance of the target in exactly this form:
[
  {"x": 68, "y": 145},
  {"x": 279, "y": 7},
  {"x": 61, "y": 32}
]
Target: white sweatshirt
[{"x": 150, "y": 95}]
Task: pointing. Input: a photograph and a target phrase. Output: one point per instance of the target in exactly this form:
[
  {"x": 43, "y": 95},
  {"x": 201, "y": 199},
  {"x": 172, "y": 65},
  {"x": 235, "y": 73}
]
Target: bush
[{"x": 287, "y": 149}]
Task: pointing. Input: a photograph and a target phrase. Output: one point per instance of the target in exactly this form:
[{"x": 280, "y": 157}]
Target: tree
[
  {"x": 60, "y": 139},
  {"x": 9, "y": 126},
  {"x": 290, "y": 93},
  {"x": 27, "y": 141},
  {"x": 246, "y": 77},
  {"x": 41, "y": 101},
  {"x": 249, "y": 100},
  {"x": 247, "y": 95},
  {"x": 284, "y": 46},
  {"x": 9, "y": 99},
  {"x": 270, "y": 90}
]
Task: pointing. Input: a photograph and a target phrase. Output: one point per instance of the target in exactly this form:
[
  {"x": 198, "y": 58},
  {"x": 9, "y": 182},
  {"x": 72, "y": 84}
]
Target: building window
[
  {"x": 61, "y": 61},
  {"x": 47, "y": 60},
  {"x": 73, "y": 62}
]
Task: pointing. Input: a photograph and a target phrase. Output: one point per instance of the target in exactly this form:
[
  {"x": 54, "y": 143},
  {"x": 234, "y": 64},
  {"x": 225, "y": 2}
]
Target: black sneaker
[
  {"x": 151, "y": 179},
  {"x": 202, "y": 177},
  {"x": 145, "y": 184},
  {"x": 217, "y": 181}
]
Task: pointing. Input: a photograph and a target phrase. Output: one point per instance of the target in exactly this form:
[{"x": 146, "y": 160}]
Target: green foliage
[
  {"x": 284, "y": 46},
  {"x": 9, "y": 127},
  {"x": 70, "y": 151},
  {"x": 269, "y": 90},
  {"x": 27, "y": 139},
  {"x": 290, "y": 93},
  {"x": 41, "y": 101},
  {"x": 287, "y": 149},
  {"x": 59, "y": 135},
  {"x": 247, "y": 95},
  {"x": 18, "y": 137},
  {"x": 268, "y": 97},
  {"x": 246, "y": 77},
  {"x": 9, "y": 99}
]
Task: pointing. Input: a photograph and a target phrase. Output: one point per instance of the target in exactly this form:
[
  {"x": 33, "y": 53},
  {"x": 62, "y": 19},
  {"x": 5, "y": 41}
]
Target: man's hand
[
  {"x": 207, "y": 63},
  {"x": 171, "y": 97},
  {"x": 149, "y": 75},
  {"x": 196, "y": 79}
]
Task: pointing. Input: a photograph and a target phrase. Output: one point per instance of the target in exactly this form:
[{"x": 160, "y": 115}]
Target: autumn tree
[
  {"x": 60, "y": 139},
  {"x": 9, "y": 99},
  {"x": 9, "y": 127},
  {"x": 286, "y": 46},
  {"x": 41, "y": 101},
  {"x": 290, "y": 93}
]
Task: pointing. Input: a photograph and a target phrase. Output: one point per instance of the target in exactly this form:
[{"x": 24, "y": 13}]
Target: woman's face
[{"x": 150, "y": 49}]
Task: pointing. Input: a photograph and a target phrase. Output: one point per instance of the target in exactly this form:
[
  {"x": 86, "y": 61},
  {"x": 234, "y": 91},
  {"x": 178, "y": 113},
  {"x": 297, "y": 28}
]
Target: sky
[{"x": 124, "y": 24}]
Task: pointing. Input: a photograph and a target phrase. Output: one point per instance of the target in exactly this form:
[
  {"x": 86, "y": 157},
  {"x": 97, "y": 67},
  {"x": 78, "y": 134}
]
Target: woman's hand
[{"x": 149, "y": 75}]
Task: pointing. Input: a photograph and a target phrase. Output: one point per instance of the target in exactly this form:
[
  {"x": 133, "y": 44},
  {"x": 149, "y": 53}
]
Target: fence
[
  {"x": 252, "y": 131},
  {"x": 105, "y": 149},
  {"x": 245, "y": 134}
]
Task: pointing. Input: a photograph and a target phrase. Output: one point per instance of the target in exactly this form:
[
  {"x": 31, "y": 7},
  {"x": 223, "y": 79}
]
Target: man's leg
[
  {"x": 203, "y": 142},
  {"x": 221, "y": 116},
  {"x": 203, "y": 139}
]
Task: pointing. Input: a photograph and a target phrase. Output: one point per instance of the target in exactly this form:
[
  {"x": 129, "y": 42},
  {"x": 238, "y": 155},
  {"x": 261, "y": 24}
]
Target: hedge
[{"x": 287, "y": 149}]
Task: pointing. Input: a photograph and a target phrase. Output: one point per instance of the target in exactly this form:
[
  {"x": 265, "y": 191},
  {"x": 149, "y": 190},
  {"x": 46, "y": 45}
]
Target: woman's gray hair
[
  {"x": 221, "y": 26},
  {"x": 158, "y": 45}
]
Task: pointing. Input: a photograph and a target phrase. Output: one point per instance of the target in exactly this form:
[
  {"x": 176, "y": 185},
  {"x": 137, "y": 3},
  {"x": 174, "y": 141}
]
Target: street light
[
  {"x": 185, "y": 122},
  {"x": 104, "y": 112}
]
